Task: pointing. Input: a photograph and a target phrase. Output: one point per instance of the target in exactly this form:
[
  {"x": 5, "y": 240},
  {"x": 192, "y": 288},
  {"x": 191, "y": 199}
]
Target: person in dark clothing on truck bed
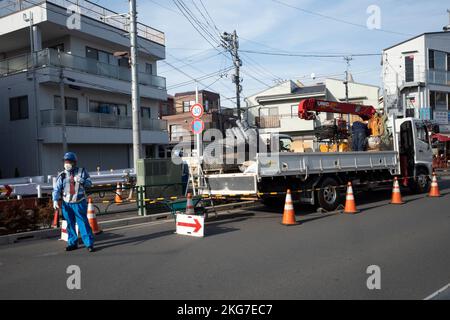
[{"x": 360, "y": 132}]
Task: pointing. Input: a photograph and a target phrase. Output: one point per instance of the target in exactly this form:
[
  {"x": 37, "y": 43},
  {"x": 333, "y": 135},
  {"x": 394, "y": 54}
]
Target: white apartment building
[
  {"x": 275, "y": 110},
  {"x": 416, "y": 78},
  {"x": 39, "y": 52}
]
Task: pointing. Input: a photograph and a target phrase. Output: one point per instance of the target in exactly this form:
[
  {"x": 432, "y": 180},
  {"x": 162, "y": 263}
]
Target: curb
[{"x": 111, "y": 224}]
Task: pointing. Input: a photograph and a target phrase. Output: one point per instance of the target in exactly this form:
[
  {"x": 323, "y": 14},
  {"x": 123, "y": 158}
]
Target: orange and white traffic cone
[
  {"x": 118, "y": 197},
  {"x": 350, "y": 205},
  {"x": 434, "y": 191},
  {"x": 396, "y": 195},
  {"x": 289, "y": 213},
  {"x": 92, "y": 218},
  {"x": 189, "y": 205}
]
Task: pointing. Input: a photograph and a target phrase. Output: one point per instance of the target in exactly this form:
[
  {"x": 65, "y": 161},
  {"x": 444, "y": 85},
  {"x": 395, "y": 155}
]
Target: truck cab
[{"x": 413, "y": 144}]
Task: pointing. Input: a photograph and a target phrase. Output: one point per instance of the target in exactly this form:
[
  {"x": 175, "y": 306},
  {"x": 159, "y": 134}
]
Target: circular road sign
[
  {"x": 197, "y": 126},
  {"x": 197, "y": 110}
]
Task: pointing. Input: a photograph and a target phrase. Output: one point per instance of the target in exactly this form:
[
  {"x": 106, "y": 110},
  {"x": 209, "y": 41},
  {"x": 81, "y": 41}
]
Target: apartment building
[
  {"x": 179, "y": 123},
  {"x": 416, "y": 78},
  {"x": 41, "y": 52}
]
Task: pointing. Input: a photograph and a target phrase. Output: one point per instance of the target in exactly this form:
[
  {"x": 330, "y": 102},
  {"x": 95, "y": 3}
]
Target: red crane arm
[{"x": 307, "y": 109}]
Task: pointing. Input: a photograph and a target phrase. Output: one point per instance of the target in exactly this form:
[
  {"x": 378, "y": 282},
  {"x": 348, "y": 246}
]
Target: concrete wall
[
  {"x": 18, "y": 138},
  {"x": 89, "y": 156}
]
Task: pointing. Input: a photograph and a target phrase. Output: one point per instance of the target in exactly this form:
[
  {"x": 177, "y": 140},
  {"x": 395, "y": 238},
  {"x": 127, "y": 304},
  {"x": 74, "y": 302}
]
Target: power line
[
  {"x": 337, "y": 19},
  {"x": 311, "y": 55}
]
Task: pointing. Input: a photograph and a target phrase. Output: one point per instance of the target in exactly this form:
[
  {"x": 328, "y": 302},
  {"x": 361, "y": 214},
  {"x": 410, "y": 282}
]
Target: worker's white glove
[
  {"x": 79, "y": 180},
  {"x": 55, "y": 205}
]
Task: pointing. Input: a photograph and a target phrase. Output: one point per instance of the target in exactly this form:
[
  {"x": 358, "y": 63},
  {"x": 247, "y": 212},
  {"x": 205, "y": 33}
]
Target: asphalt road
[{"x": 250, "y": 255}]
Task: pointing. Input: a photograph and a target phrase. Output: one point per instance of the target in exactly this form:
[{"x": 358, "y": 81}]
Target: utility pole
[
  {"x": 135, "y": 97},
  {"x": 231, "y": 43},
  {"x": 63, "y": 104},
  {"x": 347, "y": 59}
]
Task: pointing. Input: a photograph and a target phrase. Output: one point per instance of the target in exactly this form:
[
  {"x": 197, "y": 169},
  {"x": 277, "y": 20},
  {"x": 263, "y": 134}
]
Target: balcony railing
[
  {"x": 53, "y": 117},
  {"x": 268, "y": 122},
  {"x": 439, "y": 77},
  {"x": 50, "y": 57},
  {"x": 88, "y": 9}
]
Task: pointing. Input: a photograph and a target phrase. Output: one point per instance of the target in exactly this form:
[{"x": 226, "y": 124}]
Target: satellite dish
[{"x": 313, "y": 76}]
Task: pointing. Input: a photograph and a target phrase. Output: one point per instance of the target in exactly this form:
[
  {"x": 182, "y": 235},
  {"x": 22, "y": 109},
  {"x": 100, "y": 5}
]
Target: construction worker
[
  {"x": 360, "y": 132},
  {"x": 71, "y": 184}
]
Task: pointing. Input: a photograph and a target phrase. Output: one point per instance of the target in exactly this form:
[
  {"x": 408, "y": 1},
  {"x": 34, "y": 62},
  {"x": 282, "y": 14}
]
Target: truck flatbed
[{"x": 303, "y": 165}]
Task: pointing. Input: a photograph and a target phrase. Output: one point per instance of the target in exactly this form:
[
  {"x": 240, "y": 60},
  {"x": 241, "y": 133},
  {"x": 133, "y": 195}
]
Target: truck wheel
[
  {"x": 422, "y": 182},
  {"x": 329, "y": 196}
]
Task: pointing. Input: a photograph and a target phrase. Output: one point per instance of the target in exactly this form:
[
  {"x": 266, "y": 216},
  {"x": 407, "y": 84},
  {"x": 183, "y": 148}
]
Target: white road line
[{"x": 437, "y": 292}]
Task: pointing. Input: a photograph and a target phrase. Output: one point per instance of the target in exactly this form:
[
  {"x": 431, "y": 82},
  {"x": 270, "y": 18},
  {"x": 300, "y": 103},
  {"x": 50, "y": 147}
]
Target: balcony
[
  {"x": 438, "y": 77},
  {"x": 51, "y": 58},
  {"x": 51, "y": 118},
  {"x": 88, "y": 9}
]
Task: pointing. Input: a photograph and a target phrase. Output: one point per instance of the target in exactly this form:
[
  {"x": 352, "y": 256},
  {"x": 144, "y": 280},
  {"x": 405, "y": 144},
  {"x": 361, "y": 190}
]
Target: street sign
[
  {"x": 197, "y": 126},
  {"x": 190, "y": 225},
  {"x": 197, "y": 111}
]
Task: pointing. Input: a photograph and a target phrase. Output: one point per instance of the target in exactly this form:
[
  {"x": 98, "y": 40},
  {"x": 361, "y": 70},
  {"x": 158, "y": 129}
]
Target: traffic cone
[
  {"x": 288, "y": 213},
  {"x": 189, "y": 205},
  {"x": 350, "y": 205},
  {"x": 92, "y": 218},
  {"x": 434, "y": 191},
  {"x": 396, "y": 195},
  {"x": 118, "y": 197}
]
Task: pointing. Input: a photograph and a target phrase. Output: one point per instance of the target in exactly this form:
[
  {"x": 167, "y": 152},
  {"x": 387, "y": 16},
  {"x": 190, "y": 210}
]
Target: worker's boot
[
  {"x": 91, "y": 249},
  {"x": 72, "y": 247}
]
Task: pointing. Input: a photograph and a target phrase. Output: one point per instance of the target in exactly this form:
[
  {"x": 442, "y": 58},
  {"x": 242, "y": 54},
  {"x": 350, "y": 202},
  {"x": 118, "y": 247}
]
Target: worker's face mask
[{"x": 68, "y": 166}]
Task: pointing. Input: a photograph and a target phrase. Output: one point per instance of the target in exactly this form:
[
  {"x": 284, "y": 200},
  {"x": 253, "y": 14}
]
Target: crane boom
[{"x": 308, "y": 108}]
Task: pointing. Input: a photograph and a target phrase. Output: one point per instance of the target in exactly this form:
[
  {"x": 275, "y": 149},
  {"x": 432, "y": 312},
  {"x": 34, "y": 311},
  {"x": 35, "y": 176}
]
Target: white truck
[{"x": 318, "y": 174}]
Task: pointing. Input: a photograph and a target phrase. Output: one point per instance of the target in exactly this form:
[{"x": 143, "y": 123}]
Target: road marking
[{"x": 437, "y": 292}]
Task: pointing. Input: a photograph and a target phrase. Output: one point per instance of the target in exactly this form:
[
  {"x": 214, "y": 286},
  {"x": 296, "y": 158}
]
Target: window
[
  {"x": 422, "y": 133},
  {"x": 431, "y": 59},
  {"x": 187, "y": 105},
  {"x": 448, "y": 61},
  {"x": 18, "y": 108},
  {"x": 269, "y": 112},
  {"x": 101, "y": 56},
  {"x": 91, "y": 53},
  {"x": 108, "y": 108},
  {"x": 206, "y": 105},
  {"x": 146, "y": 113},
  {"x": 294, "y": 111},
  {"x": 176, "y": 132},
  {"x": 409, "y": 69},
  {"x": 124, "y": 62},
  {"x": 71, "y": 103},
  {"x": 441, "y": 101},
  {"x": 440, "y": 60},
  {"x": 148, "y": 68}
]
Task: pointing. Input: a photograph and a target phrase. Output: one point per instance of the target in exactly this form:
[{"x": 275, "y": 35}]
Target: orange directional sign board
[{"x": 190, "y": 225}]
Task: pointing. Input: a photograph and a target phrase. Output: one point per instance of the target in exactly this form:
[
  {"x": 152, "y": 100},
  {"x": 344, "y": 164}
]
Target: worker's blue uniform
[{"x": 74, "y": 205}]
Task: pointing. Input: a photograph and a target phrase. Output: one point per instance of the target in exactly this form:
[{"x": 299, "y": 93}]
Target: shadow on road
[{"x": 213, "y": 228}]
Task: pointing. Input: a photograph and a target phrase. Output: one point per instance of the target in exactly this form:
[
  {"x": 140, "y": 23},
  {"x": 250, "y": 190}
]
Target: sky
[{"x": 318, "y": 27}]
